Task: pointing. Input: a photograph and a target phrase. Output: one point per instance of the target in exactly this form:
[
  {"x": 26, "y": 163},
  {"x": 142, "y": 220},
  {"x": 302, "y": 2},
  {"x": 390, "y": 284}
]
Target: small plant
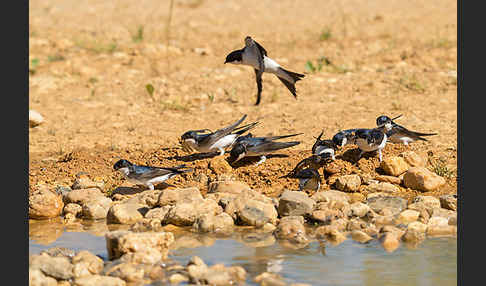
[
  {"x": 138, "y": 37},
  {"x": 440, "y": 168},
  {"x": 320, "y": 62},
  {"x": 150, "y": 89},
  {"x": 92, "y": 80},
  {"x": 55, "y": 58},
  {"x": 33, "y": 64},
  {"x": 325, "y": 34},
  {"x": 231, "y": 95},
  {"x": 412, "y": 83},
  {"x": 211, "y": 97}
]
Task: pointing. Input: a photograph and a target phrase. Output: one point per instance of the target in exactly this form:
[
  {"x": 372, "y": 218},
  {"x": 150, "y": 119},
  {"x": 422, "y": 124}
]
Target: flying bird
[{"x": 254, "y": 55}]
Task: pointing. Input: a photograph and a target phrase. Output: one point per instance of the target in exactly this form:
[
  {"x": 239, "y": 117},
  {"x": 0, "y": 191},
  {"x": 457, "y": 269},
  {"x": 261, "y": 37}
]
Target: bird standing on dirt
[
  {"x": 399, "y": 134},
  {"x": 218, "y": 140},
  {"x": 345, "y": 137},
  {"x": 147, "y": 175},
  {"x": 259, "y": 146},
  {"x": 254, "y": 55},
  {"x": 324, "y": 148},
  {"x": 370, "y": 140}
]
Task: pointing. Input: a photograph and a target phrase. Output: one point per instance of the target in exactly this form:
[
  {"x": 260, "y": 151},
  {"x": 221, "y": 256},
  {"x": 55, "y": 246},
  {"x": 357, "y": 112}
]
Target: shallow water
[{"x": 433, "y": 262}]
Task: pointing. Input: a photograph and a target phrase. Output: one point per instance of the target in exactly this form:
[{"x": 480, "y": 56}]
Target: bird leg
[
  {"x": 379, "y": 154},
  {"x": 151, "y": 187},
  {"x": 221, "y": 151},
  {"x": 262, "y": 159}
]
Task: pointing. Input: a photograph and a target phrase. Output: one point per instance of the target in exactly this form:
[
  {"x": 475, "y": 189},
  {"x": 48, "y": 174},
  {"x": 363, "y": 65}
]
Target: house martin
[
  {"x": 148, "y": 175},
  {"x": 370, "y": 140},
  {"x": 309, "y": 179},
  {"x": 324, "y": 148},
  {"x": 218, "y": 140},
  {"x": 254, "y": 55},
  {"x": 399, "y": 134},
  {"x": 345, "y": 137}
]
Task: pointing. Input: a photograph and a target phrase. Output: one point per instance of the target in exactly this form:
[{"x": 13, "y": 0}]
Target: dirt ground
[{"x": 90, "y": 63}]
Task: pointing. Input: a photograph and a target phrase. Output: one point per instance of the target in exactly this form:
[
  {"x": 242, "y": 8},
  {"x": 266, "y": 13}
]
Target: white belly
[
  {"x": 401, "y": 139},
  {"x": 160, "y": 179},
  {"x": 224, "y": 142},
  {"x": 322, "y": 150},
  {"x": 363, "y": 144}
]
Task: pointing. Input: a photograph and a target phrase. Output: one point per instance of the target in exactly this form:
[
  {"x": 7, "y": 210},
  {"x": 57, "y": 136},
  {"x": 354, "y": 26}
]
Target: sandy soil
[{"x": 90, "y": 62}]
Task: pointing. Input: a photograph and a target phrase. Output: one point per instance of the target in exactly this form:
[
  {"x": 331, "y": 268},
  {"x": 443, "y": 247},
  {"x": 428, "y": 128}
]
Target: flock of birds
[{"x": 232, "y": 137}]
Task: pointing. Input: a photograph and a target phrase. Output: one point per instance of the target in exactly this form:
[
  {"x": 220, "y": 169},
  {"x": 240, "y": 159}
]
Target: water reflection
[{"x": 433, "y": 262}]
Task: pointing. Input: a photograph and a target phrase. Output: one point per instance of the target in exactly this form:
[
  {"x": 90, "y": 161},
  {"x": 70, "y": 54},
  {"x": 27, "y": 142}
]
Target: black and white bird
[
  {"x": 259, "y": 146},
  {"x": 324, "y": 148},
  {"x": 345, "y": 137},
  {"x": 371, "y": 140},
  {"x": 148, "y": 175},
  {"x": 254, "y": 55},
  {"x": 309, "y": 179},
  {"x": 214, "y": 141},
  {"x": 399, "y": 134}
]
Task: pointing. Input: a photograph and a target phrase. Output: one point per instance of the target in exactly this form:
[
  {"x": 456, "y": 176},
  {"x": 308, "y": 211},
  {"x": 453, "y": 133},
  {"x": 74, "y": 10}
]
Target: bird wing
[
  {"x": 270, "y": 146},
  {"x": 258, "y": 50},
  {"x": 215, "y": 136},
  {"x": 148, "y": 172},
  {"x": 398, "y": 129}
]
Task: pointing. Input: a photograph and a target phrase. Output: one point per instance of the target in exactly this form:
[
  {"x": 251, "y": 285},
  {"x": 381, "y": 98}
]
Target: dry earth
[{"x": 90, "y": 62}]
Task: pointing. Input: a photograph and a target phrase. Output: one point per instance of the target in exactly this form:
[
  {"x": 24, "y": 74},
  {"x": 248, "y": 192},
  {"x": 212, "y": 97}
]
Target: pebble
[{"x": 35, "y": 118}]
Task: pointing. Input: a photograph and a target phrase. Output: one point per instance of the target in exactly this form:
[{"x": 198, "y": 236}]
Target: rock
[
  {"x": 174, "y": 197},
  {"x": 348, "y": 183},
  {"x": 159, "y": 213},
  {"x": 292, "y": 228},
  {"x": 57, "y": 267},
  {"x": 335, "y": 237},
  {"x": 221, "y": 223},
  {"x": 252, "y": 209},
  {"x": 232, "y": 187},
  {"x": 177, "y": 278},
  {"x": 126, "y": 271},
  {"x": 186, "y": 213},
  {"x": 448, "y": 202},
  {"x": 356, "y": 197},
  {"x": 85, "y": 263},
  {"x": 359, "y": 209},
  {"x": 326, "y": 215},
  {"x": 390, "y": 241},
  {"x": 83, "y": 181},
  {"x": 37, "y": 278},
  {"x": 82, "y": 196},
  {"x": 420, "y": 178},
  {"x": 382, "y": 187},
  {"x": 269, "y": 279},
  {"x": 124, "y": 213},
  {"x": 378, "y": 203},
  {"x": 413, "y": 159},
  {"x": 150, "y": 198},
  {"x": 429, "y": 202},
  {"x": 333, "y": 168},
  {"x": 415, "y": 232},
  {"x": 407, "y": 216},
  {"x": 122, "y": 242},
  {"x": 98, "y": 280},
  {"x": 417, "y": 226},
  {"x": 394, "y": 166},
  {"x": 331, "y": 195},
  {"x": 219, "y": 165},
  {"x": 293, "y": 203},
  {"x": 439, "y": 226},
  {"x": 443, "y": 213},
  {"x": 73, "y": 209},
  {"x": 219, "y": 275},
  {"x": 147, "y": 224},
  {"x": 35, "y": 118},
  {"x": 196, "y": 268},
  {"x": 96, "y": 208},
  {"x": 389, "y": 179},
  {"x": 360, "y": 236},
  {"x": 59, "y": 252},
  {"x": 45, "y": 204}
]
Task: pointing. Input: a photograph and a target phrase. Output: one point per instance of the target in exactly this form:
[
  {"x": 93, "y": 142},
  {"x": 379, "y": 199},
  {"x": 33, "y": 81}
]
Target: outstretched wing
[
  {"x": 215, "y": 136},
  {"x": 400, "y": 130},
  {"x": 258, "y": 50}
]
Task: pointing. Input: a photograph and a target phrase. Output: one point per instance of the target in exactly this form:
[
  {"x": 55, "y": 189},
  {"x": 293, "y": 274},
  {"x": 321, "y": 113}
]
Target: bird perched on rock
[
  {"x": 214, "y": 141},
  {"x": 399, "y": 134},
  {"x": 259, "y": 146},
  {"x": 148, "y": 175},
  {"x": 254, "y": 55}
]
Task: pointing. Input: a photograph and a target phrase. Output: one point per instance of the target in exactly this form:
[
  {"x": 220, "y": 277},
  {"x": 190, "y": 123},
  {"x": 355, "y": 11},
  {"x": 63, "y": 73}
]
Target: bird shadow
[
  {"x": 352, "y": 155},
  {"x": 193, "y": 157},
  {"x": 247, "y": 161},
  {"x": 139, "y": 189}
]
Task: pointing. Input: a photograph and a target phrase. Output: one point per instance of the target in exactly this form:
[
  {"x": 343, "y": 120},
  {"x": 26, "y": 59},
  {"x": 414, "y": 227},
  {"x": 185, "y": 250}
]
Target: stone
[
  {"x": 57, "y": 267},
  {"x": 124, "y": 213},
  {"x": 174, "y": 197},
  {"x": 149, "y": 198},
  {"x": 439, "y": 226},
  {"x": 37, "y": 278},
  {"x": 59, "y": 252},
  {"x": 378, "y": 203},
  {"x": 177, "y": 278},
  {"x": 390, "y": 241},
  {"x": 415, "y": 232},
  {"x": 360, "y": 236},
  {"x": 429, "y": 202},
  {"x": 333, "y": 168},
  {"x": 269, "y": 279},
  {"x": 147, "y": 224},
  {"x": 359, "y": 209},
  {"x": 394, "y": 166},
  {"x": 186, "y": 213},
  {"x": 356, "y": 197},
  {"x": 382, "y": 187},
  {"x": 159, "y": 213},
  {"x": 407, "y": 216},
  {"x": 448, "y": 202},
  {"x": 252, "y": 209},
  {"x": 443, "y": 213},
  {"x": 45, "y": 204},
  {"x": 96, "y": 208},
  {"x": 35, "y": 118},
  {"x": 326, "y": 215},
  {"x": 413, "y": 159},
  {"x": 82, "y": 196},
  {"x": 389, "y": 179},
  {"x": 294, "y": 203},
  {"x": 73, "y": 209},
  {"x": 348, "y": 183},
  {"x": 421, "y": 179},
  {"x": 221, "y": 223},
  {"x": 219, "y": 165},
  {"x": 330, "y": 195},
  {"x": 85, "y": 263},
  {"x": 232, "y": 187},
  {"x": 292, "y": 228},
  {"x": 122, "y": 242},
  {"x": 126, "y": 271},
  {"x": 99, "y": 280},
  {"x": 83, "y": 181},
  {"x": 335, "y": 237}
]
